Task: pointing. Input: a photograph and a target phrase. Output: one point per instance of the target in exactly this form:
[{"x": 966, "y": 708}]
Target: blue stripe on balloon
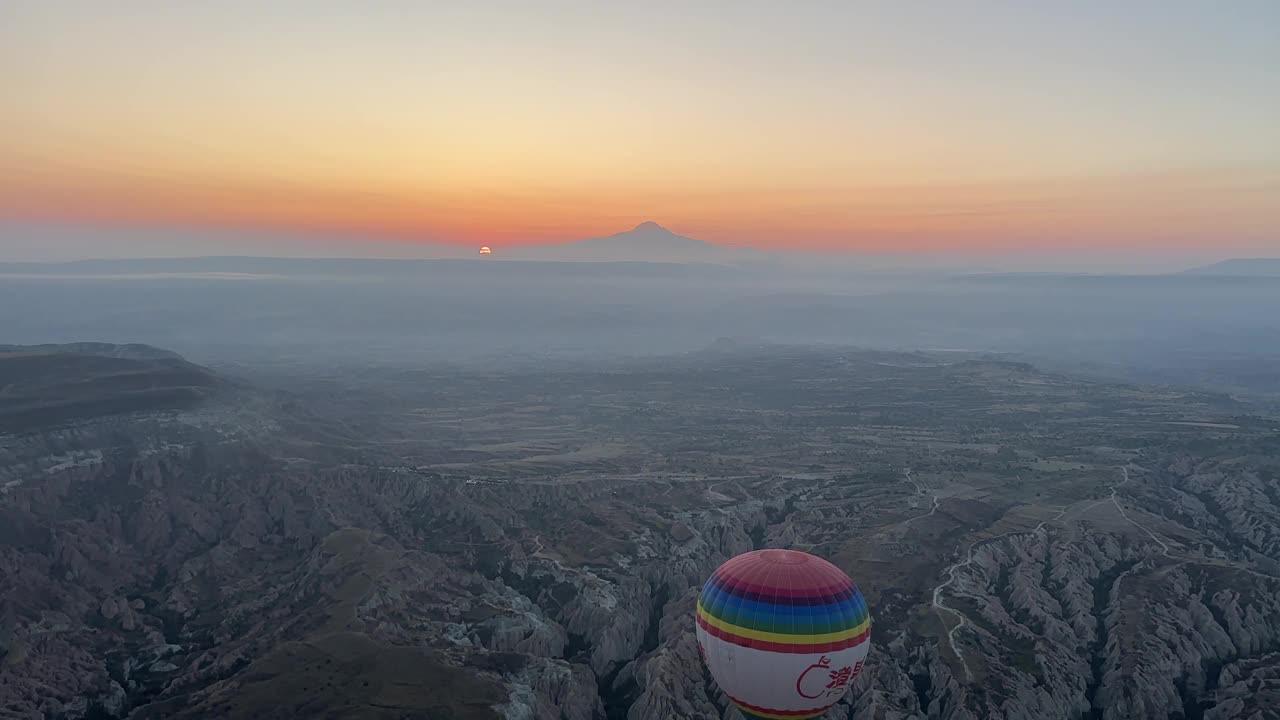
[
  {"x": 715, "y": 590},
  {"x": 760, "y": 615}
]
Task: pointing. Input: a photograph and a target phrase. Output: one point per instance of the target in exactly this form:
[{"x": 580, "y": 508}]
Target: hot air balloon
[{"x": 783, "y": 633}]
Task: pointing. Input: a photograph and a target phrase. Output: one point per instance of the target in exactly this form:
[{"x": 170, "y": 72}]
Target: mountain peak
[
  {"x": 1244, "y": 267},
  {"x": 646, "y": 242}
]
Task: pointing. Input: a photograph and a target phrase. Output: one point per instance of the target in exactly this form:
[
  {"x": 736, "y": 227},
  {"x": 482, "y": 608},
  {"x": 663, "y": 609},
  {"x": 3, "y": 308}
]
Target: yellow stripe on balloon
[
  {"x": 780, "y": 637},
  {"x": 773, "y": 716}
]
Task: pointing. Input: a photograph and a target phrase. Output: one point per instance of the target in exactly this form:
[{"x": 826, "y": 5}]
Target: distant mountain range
[
  {"x": 1241, "y": 267},
  {"x": 646, "y": 249},
  {"x": 646, "y": 242},
  {"x": 242, "y": 267},
  {"x": 182, "y": 250}
]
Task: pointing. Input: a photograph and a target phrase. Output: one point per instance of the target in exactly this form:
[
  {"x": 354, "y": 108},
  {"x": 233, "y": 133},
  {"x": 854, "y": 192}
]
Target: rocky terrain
[{"x": 527, "y": 545}]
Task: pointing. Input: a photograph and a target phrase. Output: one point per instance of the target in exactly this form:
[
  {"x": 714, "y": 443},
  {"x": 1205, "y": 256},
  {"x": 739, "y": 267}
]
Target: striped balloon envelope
[{"x": 783, "y": 633}]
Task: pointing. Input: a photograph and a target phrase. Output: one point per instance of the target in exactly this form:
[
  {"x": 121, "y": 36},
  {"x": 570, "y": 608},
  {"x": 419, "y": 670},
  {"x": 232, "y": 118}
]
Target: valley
[{"x": 346, "y": 541}]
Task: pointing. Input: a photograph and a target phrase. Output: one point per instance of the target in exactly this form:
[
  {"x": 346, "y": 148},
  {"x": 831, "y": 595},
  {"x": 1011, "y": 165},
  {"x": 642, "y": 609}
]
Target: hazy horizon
[{"x": 71, "y": 242}]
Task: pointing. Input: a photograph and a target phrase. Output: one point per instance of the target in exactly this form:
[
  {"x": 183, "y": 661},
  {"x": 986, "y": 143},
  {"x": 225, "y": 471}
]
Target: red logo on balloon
[{"x": 826, "y": 681}]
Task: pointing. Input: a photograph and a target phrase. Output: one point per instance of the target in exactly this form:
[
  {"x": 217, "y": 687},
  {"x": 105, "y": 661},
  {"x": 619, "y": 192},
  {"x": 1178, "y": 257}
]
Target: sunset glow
[{"x": 861, "y": 126}]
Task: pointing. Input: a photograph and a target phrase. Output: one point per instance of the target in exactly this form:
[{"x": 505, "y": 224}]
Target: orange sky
[{"x": 1150, "y": 127}]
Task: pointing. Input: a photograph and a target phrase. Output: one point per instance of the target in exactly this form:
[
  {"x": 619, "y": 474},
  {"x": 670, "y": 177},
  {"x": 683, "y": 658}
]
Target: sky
[{"x": 967, "y": 127}]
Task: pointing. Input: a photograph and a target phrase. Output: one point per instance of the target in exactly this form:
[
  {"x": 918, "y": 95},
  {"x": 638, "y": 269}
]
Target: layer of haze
[{"x": 972, "y": 127}]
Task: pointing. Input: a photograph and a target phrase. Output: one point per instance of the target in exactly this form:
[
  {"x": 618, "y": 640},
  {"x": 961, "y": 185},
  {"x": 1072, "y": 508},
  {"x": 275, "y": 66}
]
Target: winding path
[
  {"x": 920, "y": 490},
  {"x": 1116, "y": 501},
  {"x": 951, "y": 573}
]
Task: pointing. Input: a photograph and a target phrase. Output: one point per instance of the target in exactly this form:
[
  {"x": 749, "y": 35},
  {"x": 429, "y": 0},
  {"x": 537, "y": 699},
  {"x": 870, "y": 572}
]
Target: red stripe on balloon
[
  {"x": 784, "y": 713},
  {"x": 840, "y": 589},
  {"x": 811, "y": 576}
]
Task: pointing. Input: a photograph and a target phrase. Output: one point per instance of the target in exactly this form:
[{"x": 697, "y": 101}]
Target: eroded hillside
[{"x": 391, "y": 543}]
